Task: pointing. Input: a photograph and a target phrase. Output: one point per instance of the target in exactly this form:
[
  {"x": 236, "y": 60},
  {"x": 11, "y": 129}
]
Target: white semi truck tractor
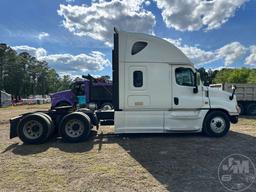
[{"x": 156, "y": 89}]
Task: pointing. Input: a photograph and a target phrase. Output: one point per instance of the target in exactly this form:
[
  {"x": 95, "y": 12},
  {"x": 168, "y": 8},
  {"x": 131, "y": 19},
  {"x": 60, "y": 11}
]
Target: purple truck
[{"x": 84, "y": 93}]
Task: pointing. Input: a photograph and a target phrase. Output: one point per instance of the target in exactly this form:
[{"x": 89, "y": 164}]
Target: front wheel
[{"x": 216, "y": 124}]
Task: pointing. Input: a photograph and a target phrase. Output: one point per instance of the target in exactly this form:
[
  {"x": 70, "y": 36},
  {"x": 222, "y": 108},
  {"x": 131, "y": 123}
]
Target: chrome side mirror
[
  {"x": 233, "y": 92},
  {"x": 196, "y": 82}
]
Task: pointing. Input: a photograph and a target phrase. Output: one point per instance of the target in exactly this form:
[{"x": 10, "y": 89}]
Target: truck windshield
[{"x": 78, "y": 88}]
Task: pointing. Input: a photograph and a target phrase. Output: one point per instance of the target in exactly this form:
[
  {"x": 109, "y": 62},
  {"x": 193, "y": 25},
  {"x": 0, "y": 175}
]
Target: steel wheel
[
  {"x": 74, "y": 128},
  {"x": 33, "y": 129},
  {"x": 218, "y": 124}
]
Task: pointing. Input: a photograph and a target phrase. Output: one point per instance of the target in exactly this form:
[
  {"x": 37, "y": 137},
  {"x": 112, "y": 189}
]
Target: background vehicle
[
  {"x": 85, "y": 92},
  {"x": 5, "y": 99},
  {"x": 155, "y": 90},
  {"x": 245, "y": 94}
]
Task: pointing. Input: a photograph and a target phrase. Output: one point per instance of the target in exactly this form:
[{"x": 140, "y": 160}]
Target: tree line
[
  {"x": 228, "y": 75},
  {"x": 22, "y": 74}
]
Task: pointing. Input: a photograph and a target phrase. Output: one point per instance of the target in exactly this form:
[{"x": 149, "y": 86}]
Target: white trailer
[
  {"x": 5, "y": 99},
  {"x": 245, "y": 94},
  {"x": 155, "y": 90}
]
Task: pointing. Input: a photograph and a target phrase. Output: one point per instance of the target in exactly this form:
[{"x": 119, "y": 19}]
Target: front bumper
[{"x": 234, "y": 119}]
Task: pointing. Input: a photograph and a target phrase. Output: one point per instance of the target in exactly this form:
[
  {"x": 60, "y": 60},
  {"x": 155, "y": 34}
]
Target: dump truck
[
  {"x": 245, "y": 94},
  {"x": 156, "y": 89},
  {"x": 89, "y": 91}
]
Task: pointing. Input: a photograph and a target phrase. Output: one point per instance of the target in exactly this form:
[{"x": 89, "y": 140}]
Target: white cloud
[
  {"x": 94, "y": 61},
  {"x": 251, "y": 59},
  {"x": 68, "y": 63},
  {"x": 70, "y": 1},
  {"x": 98, "y": 20},
  {"x": 43, "y": 35},
  {"x": 35, "y": 52},
  {"x": 197, "y": 55},
  {"x": 147, "y": 3},
  {"x": 230, "y": 53},
  {"x": 191, "y": 15}
]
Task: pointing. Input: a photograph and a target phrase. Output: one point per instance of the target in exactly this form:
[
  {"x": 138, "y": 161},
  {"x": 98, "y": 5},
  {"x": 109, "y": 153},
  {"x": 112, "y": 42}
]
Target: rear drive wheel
[
  {"x": 34, "y": 129},
  {"x": 52, "y": 128},
  {"x": 251, "y": 110},
  {"x": 75, "y": 127},
  {"x": 216, "y": 124}
]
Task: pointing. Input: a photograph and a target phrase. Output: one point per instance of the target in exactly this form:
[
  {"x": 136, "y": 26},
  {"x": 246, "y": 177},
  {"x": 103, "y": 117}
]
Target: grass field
[{"x": 107, "y": 162}]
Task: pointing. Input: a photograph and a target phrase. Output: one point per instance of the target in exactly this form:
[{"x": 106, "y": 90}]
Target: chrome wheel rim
[
  {"x": 74, "y": 128},
  {"x": 218, "y": 124},
  {"x": 33, "y": 129}
]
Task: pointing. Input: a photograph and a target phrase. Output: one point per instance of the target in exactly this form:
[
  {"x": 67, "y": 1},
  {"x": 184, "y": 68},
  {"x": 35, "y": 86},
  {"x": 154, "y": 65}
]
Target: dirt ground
[{"x": 107, "y": 162}]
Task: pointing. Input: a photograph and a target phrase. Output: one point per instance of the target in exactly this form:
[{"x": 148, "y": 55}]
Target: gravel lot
[{"x": 107, "y": 162}]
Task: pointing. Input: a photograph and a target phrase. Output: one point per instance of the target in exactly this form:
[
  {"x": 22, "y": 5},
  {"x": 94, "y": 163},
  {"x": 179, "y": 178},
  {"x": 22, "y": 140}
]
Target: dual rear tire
[
  {"x": 36, "y": 128},
  {"x": 75, "y": 127}
]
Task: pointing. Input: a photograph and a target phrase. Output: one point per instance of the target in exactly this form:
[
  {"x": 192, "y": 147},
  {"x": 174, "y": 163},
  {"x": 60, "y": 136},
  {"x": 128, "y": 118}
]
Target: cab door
[
  {"x": 183, "y": 84},
  {"x": 188, "y": 105}
]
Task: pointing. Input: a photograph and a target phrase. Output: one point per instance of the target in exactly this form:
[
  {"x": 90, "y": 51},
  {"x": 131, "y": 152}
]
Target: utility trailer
[
  {"x": 245, "y": 94},
  {"x": 156, "y": 89}
]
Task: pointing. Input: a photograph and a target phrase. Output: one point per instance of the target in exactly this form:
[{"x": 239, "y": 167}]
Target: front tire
[
  {"x": 216, "y": 124},
  {"x": 75, "y": 127}
]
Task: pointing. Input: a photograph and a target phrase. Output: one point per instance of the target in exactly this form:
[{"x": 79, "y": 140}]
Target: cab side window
[
  {"x": 137, "y": 79},
  {"x": 138, "y": 46},
  {"x": 185, "y": 76}
]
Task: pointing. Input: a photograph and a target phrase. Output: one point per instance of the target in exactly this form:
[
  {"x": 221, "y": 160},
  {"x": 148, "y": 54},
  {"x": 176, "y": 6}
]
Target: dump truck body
[
  {"x": 245, "y": 94},
  {"x": 84, "y": 93}
]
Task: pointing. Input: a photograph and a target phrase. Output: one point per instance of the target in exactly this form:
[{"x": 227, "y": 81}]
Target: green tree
[
  {"x": 53, "y": 81},
  {"x": 252, "y": 77},
  {"x": 65, "y": 83},
  {"x": 232, "y": 76}
]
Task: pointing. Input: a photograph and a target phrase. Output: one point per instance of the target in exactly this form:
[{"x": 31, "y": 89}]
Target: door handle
[{"x": 176, "y": 100}]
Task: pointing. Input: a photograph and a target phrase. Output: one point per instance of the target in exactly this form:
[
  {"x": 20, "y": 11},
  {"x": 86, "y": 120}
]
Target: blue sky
[{"x": 74, "y": 36}]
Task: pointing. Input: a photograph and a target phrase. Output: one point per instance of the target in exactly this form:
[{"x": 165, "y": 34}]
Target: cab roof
[{"x": 157, "y": 50}]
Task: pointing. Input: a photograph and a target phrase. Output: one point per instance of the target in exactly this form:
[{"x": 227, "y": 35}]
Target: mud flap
[{"x": 14, "y": 122}]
